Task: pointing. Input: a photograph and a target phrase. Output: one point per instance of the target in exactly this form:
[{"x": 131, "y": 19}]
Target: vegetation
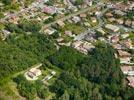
[
  {"x": 75, "y": 28},
  {"x": 30, "y": 89},
  {"x": 78, "y": 2},
  {"x": 19, "y": 52},
  {"x": 96, "y": 76},
  {"x": 14, "y": 4},
  {"x": 30, "y": 26},
  {"x": 1, "y": 15}
]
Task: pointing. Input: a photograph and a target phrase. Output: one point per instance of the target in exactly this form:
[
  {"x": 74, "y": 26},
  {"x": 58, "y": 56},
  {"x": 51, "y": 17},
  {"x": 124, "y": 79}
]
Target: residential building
[
  {"x": 131, "y": 81},
  {"x": 49, "y": 10},
  {"x": 123, "y": 53},
  {"x": 93, "y": 19},
  {"x": 49, "y": 31},
  {"x": 61, "y": 23},
  {"x": 112, "y": 27},
  {"x": 76, "y": 19}
]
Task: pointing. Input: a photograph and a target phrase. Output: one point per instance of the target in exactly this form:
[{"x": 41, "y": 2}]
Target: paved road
[
  {"x": 71, "y": 15},
  {"x": 101, "y": 23},
  {"x": 126, "y": 28}
]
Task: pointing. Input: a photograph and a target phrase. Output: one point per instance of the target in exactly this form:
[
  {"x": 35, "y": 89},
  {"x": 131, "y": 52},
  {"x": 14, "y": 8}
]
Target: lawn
[
  {"x": 75, "y": 28},
  {"x": 131, "y": 36}
]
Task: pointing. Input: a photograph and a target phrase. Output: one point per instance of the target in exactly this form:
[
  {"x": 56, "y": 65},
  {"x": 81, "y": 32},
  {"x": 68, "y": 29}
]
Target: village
[{"x": 81, "y": 27}]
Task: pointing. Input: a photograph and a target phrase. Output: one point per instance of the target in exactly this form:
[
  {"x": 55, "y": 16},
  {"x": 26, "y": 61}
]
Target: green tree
[{"x": 65, "y": 96}]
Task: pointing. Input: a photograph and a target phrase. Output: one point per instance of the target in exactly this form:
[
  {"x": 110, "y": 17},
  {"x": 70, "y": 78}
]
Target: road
[
  {"x": 70, "y": 16},
  {"x": 101, "y": 23},
  {"x": 126, "y": 28}
]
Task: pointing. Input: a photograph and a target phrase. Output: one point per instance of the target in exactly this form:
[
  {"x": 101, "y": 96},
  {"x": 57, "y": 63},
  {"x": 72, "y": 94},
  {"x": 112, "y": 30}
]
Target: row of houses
[
  {"x": 117, "y": 16},
  {"x": 127, "y": 66},
  {"x": 83, "y": 46}
]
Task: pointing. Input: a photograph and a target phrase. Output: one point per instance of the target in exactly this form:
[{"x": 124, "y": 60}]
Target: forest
[
  {"x": 96, "y": 76},
  {"x": 93, "y": 77},
  {"x": 21, "y": 51}
]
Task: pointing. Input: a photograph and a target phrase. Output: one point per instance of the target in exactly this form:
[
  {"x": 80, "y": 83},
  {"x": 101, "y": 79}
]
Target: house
[
  {"x": 87, "y": 24},
  {"x": 76, "y": 19},
  {"x": 128, "y": 22},
  {"x": 5, "y": 34},
  {"x": 83, "y": 15},
  {"x": 111, "y": 19},
  {"x": 98, "y": 13},
  {"x": 50, "y": 10},
  {"x": 101, "y": 31},
  {"x": 84, "y": 5},
  {"x": 53, "y": 73},
  {"x": 13, "y": 19},
  {"x": 131, "y": 7},
  {"x": 126, "y": 69},
  {"x": 69, "y": 33},
  {"x": 127, "y": 43},
  {"x": 109, "y": 14},
  {"x": 45, "y": 17},
  {"x": 109, "y": 5},
  {"x": 117, "y": 46},
  {"x": 114, "y": 39},
  {"x": 123, "y": 53},
  {"x": 73, "y": 8},
  {"x": 76, "y": 44},
  {"x": 119, "y": 13},
  {"x": 120, "y": 6},
  {"x": 45, "y": 1},
  {"x": 102, "y": 39},
  {"x": 125, "y": 60},
  {"x": 33, "y": 73},
  {"x": 132, "y": 24},
  {"x": 125, "y": 35},
  {"x": 131, "y": 81},
  {"x": 39, "y": 19},
  {"x": 88, "y": 46},
  {"x": 68, "y": 2},
  {"x": 83, "y": 46},
  {"x": 65, "y": 44},
  {"x": 49, "y": 31},
  {"x": 112, "y": 27},
  {"x": 93, "y": 19},
  {"x": 89, "y": 2},
  {"x": 61, "y": 23},
  {"x": 120, "y": 21},
  {"x": 70, "y": 21},
  {"x": 60, "y": 40},
  {"x": 1, "y": 4}
]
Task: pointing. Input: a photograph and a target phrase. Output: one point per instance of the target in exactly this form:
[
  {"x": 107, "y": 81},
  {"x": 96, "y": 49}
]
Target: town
[{"x": 80, "y": 27}]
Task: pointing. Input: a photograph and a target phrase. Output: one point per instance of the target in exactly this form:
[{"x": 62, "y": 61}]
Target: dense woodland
[
  {"x": 22, "y": 49},
  {"x": 30, "y": 89},
  {"x": 94, "y": 77}
]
